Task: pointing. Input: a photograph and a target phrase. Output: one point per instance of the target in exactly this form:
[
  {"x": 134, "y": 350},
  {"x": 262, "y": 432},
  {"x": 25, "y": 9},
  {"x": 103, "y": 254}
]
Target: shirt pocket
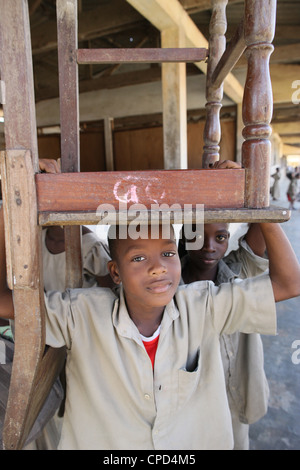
[{"x": 188, "y": 380}]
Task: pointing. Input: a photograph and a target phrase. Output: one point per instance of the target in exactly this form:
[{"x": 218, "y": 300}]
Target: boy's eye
[
  {"x": 168, "y": 254},
  {"x": 137, "y": 259},
  {"x": 221, "y": 238}
]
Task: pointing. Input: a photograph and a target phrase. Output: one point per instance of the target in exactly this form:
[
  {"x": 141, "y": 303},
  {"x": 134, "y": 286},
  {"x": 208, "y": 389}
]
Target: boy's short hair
[
  {"x": 113, "y": 237},
  {"x": 193, "y": 228}
]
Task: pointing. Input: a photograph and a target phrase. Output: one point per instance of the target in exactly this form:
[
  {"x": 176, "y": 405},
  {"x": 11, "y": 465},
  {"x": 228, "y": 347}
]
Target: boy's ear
[{"x": 114, "y": 271}]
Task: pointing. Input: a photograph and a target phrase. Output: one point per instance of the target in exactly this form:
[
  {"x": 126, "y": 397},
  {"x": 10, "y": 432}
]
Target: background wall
[{"x": 137, "y": 148}]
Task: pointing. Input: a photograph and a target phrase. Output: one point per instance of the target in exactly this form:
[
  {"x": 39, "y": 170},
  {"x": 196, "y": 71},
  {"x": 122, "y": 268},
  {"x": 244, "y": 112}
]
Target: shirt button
[{"x": 147, "y": 396}]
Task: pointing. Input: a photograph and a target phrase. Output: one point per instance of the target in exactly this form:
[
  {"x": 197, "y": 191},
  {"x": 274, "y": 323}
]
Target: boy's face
[
  {"x": 216, "y": 237},
  {"x": 149, "y": 270}
]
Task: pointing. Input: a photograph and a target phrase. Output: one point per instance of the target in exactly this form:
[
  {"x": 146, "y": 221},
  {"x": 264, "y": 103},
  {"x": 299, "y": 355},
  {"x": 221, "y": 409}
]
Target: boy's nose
[
  {"x": 208, "y": 245},
  {"x": 158, "y": 268}
]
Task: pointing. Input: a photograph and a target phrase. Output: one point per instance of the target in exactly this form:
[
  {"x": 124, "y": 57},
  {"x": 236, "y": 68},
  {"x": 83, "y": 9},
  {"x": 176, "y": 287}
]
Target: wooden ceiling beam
[
  {"x": 107, "y": 19},
  {"x": 166, "y": 14},
  {"x": 286, "y": 54},
  {"x": 283, "y": 76},
  {"x": 195, "y": 6},
  {"x": 287, "y": 128}
]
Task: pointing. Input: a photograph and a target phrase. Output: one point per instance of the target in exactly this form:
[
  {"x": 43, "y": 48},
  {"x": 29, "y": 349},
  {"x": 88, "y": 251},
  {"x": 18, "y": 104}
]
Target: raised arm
[
  {"x": 6, "y": 303},
  {"x": 283, "y": 264},
  {"x": 255, "y": 240}
]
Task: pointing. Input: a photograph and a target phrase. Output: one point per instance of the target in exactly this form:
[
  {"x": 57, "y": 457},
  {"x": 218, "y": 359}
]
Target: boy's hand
[
  {"x": 49, "y": 165},
  {"x": 225, "y": 164}
]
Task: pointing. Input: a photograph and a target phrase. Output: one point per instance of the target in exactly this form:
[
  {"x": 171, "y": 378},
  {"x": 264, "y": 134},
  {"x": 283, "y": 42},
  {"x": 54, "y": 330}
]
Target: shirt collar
[
  {"x": 126, "y": 327},
  {"x": 226, "y": 272}
]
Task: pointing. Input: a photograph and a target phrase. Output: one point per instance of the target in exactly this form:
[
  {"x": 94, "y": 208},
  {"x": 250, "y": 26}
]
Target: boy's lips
[
  {"x": 208, "y": 260},
  {"x": 159, "y": 286}
]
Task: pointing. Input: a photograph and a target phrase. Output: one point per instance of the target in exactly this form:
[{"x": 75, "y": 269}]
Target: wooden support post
[
  {"x": 214, "y": 95},
  {"x": 20, "y": 210},
  {"x": 68, "y": 84},
  {"x": 174, "y": 104},
  {"x": 108, "y": 141},
  {"x": 18, "y": 92},
  {"x": 23, "y": 236},
  {"x": 69, "y": 122},
  {"x": 8, "y": 250},
  {"x": 259, "y": 29},
  {"x": 20, "y": 213},
  {"x": 239, "y": 130}
]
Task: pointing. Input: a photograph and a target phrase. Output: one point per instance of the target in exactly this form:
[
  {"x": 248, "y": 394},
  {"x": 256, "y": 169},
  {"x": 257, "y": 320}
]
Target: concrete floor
[{"x": 280, "y": 428}]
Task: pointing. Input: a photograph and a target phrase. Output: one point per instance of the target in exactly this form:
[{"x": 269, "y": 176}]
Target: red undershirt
[{"x": 151, "y": 345}]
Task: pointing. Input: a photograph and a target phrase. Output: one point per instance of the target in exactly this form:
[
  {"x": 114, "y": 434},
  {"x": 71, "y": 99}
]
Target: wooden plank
[
  {"x": 50, "y": 367},
  {"x": 267, "y": 214},
  {"x": 270, "y": 214},
  {"x": 231, "y": 55},
  {"x": 68, "y": 84},
  {"x": 86, "y": 191},
  {"x": 17, "y": 75},
  {"x": 23, "y": 234},
  {"x": 28, "y": 295},
  {"x": 195, "y": 6},
  {"x": 22, "y": 214},
  {"x": 174, "y": 94},
  {"x": 108, "y": 141},
  {"x": 8, "y": 250},
  {"x": 69, "y": 122},
  {"x": 27, "y": 354},
  {"x": 142, "y": 55}
]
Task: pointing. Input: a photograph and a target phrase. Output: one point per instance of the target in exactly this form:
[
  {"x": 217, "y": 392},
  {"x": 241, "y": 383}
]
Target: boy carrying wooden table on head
[{"x": 123, "y": 393}]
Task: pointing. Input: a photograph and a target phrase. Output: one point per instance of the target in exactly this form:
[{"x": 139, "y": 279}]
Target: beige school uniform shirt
[
  {"x": 114, "y": 398},
  {"x": 243, "y": 357},
  {"x": 94, "y": 263},
  {"x": 242, "y": 354}
]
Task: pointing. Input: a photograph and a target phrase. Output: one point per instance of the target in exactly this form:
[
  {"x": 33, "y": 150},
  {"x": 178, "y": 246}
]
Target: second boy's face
[
  {"x": 216, "y": 237},
  {"x": 149, "y": 270}
]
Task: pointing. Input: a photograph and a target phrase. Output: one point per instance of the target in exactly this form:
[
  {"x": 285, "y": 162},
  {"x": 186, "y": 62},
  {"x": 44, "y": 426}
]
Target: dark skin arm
[
  {"x": 255, "y": 240},
  {"x": 285, "y": 276},
  {"x": 254, "y": 236}
]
